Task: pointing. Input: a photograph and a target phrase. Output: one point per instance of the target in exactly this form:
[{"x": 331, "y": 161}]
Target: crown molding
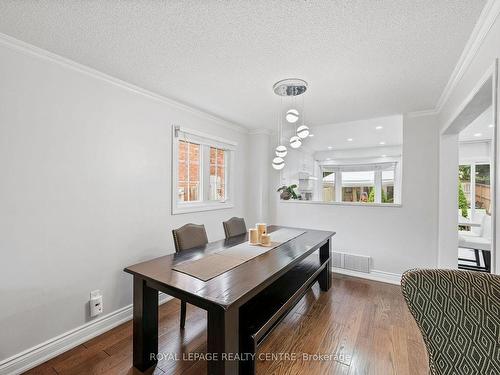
[
  {"x": 32, "y": 50},
  {"x": 487, "y": 75},
  {"x": 483, "y": 25},
  {"x": 425, "y": 112}
]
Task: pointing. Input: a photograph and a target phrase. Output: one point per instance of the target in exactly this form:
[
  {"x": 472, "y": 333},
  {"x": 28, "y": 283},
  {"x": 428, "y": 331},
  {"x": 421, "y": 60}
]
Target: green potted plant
[{"x": 288, "y": 192}]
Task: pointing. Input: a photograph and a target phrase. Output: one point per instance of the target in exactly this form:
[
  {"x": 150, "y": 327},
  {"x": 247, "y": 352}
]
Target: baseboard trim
[
  {"x": 38, "y": 354},
  {"x": 375, "y": 275}
]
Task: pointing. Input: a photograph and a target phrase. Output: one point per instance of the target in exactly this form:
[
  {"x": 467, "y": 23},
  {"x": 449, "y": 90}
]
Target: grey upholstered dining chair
[
  {"x": 187, "y": 237},
  {"x": 458, "y": 313},
  {"x": 234, "y": 227}
]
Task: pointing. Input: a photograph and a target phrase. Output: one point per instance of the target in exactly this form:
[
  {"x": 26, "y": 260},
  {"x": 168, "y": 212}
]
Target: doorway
[
  {"x": 469, "y": 147},
  {"x": 475, "y": 194}
]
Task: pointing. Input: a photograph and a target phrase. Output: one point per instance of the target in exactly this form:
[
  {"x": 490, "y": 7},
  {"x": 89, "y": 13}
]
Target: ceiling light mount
[{"x": 290, "y": 87}]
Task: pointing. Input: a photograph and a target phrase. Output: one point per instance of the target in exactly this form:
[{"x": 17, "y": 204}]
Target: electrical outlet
[{"x": 95, "y": 303}]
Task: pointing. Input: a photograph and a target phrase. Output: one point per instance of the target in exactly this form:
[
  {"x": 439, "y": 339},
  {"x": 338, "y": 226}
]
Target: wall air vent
[{"x": 353, "y": 262}]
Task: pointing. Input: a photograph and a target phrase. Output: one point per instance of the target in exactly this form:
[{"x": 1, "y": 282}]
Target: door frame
[{"x": 457, "y": 122}]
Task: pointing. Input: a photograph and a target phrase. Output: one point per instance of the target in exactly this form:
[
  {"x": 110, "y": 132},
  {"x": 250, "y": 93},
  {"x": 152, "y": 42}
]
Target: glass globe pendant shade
[
  {"x": 281, "y": 151},
  {"x": 303, "y": 131},
  {"x": 292, "y": 116},
  {"x": 295, "y": 142},
  {"x": 278, "y": 163}
]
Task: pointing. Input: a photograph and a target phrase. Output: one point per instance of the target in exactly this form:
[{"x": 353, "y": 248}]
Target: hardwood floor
[{"x": 362, "y": 327}]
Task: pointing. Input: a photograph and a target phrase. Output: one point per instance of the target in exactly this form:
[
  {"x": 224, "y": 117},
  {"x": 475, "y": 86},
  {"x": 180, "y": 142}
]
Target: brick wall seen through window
[{"x": 189, "y": 172}]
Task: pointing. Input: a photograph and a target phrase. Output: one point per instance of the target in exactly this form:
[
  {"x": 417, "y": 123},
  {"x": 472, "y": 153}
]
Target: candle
[
  {"x": 261, "y": 229},
  {"x": 265, "y": 239},
  {"x": 253, "y": 235}
]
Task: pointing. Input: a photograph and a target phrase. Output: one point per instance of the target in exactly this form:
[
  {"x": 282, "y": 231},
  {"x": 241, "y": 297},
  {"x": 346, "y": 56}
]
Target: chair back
[
  {"x": 486, "y": 227},
  {"x": 189, "y": 236},
  {"x": 458, "y": 314},
  {"x": 234, "y": 227}
]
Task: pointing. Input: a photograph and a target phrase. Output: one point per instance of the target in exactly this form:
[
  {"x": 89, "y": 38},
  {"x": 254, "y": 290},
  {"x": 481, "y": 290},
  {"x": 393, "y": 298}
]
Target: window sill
[
  {"x": 355, "y": 204},
  {"x": 200, "y": 206}
]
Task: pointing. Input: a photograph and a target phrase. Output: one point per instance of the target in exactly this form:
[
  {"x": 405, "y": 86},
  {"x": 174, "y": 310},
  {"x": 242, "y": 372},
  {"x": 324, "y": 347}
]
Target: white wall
[
  {"x": 448, "y": 201},
  {"x": 397, "y": 238},
  {"x": 85, "y": 191},
  {"x": 469, "y": 152},
  {"x": 260, "y": 155}
]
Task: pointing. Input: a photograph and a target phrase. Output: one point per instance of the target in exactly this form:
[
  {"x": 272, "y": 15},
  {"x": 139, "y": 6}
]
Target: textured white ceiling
[
  {"x": 355, "y": 134},
  {"x": 362, "y": 58}
]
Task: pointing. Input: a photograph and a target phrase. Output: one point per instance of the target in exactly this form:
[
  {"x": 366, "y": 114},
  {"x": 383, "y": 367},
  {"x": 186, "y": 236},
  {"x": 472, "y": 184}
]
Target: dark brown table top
[{"x": 236, "y": 284}]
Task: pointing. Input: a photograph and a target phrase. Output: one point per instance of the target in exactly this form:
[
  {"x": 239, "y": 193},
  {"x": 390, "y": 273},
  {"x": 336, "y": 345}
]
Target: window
[
  {"x": 356, "y": 186},
  {"x": 201, "y": 178},
  {"x": 189, "y": 172},
  {"x": 362, "y": 183},
  {"x": 328, "y": 186},
  {"x": 217, "y": 174},
  {"x": 474, "y": 189},
  {"x": 464, "y": 180},
  {"x": 482, "y": 187},
  {"x": 388, "y": 186}
]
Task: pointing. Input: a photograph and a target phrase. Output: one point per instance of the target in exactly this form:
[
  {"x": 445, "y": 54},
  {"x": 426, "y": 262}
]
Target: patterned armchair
[{"x": 458, "y": 313}]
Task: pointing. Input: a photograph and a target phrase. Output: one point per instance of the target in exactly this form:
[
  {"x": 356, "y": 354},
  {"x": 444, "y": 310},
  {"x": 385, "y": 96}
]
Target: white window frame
[
  {"x": 377, "y": 168},
  {"x": 205, "y": 141},
  {"x": 217, "y": 166}
]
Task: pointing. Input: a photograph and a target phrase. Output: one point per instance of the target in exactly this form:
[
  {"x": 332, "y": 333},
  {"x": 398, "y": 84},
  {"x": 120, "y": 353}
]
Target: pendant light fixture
[
  {"x": 289, "y": 88},
  {"x": 303, "y": 131},
  {"x": 281, "y": 151},
  {"x": 278, "y": 163},
  {"x": 292, "y": 116},
  {"x": 295, "y": 141}
]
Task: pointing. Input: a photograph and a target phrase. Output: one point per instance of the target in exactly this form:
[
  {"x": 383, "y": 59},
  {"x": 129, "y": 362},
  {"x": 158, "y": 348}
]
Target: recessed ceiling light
[
  {"x": 330, "y": 147},
  {"x": 378, "y": 127},
  {"x": 478, "y": 134},
  {"x": 383, "y": 156},
  {"x": 328, "y": 158},
  {"x": 491, "y": 126},
  {"x": 311, "y": 135},
  {"x": 349, "y": 139},
  {"x": 381, "y": 143}
]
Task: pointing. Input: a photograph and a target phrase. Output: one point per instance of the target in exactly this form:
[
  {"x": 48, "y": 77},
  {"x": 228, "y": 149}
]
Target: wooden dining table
[{"x": 220, "y": 296}]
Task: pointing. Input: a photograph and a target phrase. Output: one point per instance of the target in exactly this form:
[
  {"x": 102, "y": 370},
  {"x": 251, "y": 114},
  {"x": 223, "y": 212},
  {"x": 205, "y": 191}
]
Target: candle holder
[
  {"x": 261, "y": 229},
  {"x": 258, "y": 236},
  {"x": 253, "y": 236}
]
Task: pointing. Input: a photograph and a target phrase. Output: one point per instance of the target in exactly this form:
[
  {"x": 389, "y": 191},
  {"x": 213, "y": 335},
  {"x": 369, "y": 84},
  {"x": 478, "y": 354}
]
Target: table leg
[
  {"x": 223, "y": 340},
  {"x": 487, "y": 260},
  {"x": 324, "y": 278},
  {"x": 145, "y": 325}
]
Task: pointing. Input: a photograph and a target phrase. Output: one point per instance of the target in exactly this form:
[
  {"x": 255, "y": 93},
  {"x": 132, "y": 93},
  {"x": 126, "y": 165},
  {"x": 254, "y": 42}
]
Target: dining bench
[{"x": 262, "y": 314}]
